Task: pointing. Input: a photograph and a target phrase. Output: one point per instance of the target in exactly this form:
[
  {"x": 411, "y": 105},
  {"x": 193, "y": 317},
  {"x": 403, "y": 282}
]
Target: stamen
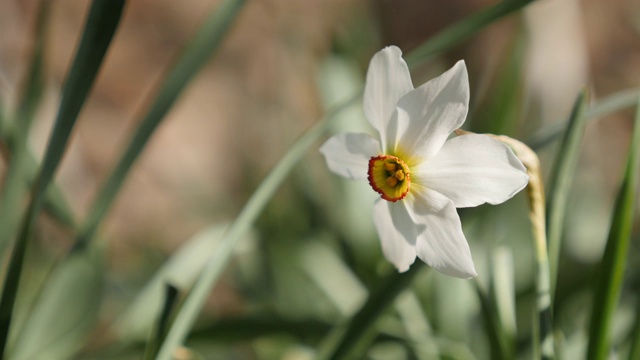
[{"x": 390, "y": 166}]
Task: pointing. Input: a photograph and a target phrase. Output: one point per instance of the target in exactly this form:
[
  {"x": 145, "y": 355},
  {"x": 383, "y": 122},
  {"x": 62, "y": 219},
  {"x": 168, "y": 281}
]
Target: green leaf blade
[
  {"x": 102, "y": 22},
  {"x": 560, "y": 184},
  {"x": 164, "y": 318},
  {"x": 611, "y": 273},
  {"x": 14, "y": 187}
]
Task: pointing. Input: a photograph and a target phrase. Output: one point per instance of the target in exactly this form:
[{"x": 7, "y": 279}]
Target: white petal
[
  {"x": 388, "y": 79},
  {"x": 428, "y": 114},
  {"x": 390, "y": 220},
  {"x": 348, "y": 154},
  {"x": 473, "y": 169},
  {"x": 442, "y": 245}
]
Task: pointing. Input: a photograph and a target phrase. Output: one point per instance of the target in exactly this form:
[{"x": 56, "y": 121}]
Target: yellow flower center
[{"x": 389, "y": 176}]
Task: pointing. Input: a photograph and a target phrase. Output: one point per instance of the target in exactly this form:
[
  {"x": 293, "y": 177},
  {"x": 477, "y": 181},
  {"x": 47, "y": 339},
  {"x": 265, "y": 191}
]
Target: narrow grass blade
[
  {"x": 464, "y": 30},
  {"x": 34, "y": 84},
  {"x": 55, "y": 203},
  {"x": 15, "y": 138},
  {"x": 498, "y": 343},
  {"x": 10, "y": 208},
  {"x": 199, "y": 50},
  {"x": 346, "y": 344},
  {"x": 612, "y": 103},
  {"x": 100, "y": 27},
  {"x": 560, "y": 183},
  {"x": 503, "y": 291},
  {"x": 416, "y": 325},
  {"x": 170, "y": 301},
  {"x": 634, "y": 350},
  {"x": 611, "y": 272},
  {"x": 56, "y": 206},
  {"x": 66, "y": 310},
  {"x": 14, "y": 187},
  {"x": 3, "y": 120}
]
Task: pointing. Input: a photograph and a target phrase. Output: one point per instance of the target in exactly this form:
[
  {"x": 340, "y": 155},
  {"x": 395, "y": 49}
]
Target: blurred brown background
[{"x": 260, "y": 91}]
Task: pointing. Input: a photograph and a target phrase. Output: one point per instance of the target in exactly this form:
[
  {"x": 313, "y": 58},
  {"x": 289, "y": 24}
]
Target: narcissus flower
[{"x": 420, "y": 174}]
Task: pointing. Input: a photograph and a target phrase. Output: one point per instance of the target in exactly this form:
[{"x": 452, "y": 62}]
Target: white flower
[{"x": 421, "y": 176}]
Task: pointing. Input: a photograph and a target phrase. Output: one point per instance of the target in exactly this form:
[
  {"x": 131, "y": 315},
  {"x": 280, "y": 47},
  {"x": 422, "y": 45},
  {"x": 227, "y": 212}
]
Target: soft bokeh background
[{"x": 277, "y": 71}]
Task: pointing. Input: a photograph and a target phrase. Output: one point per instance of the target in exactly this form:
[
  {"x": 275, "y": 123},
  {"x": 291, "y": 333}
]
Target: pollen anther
[{"x": 390, "y": 166}]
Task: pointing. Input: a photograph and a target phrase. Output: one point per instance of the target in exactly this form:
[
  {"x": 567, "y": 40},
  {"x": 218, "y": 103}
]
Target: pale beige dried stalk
[{"x": 535, "y": 190}]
